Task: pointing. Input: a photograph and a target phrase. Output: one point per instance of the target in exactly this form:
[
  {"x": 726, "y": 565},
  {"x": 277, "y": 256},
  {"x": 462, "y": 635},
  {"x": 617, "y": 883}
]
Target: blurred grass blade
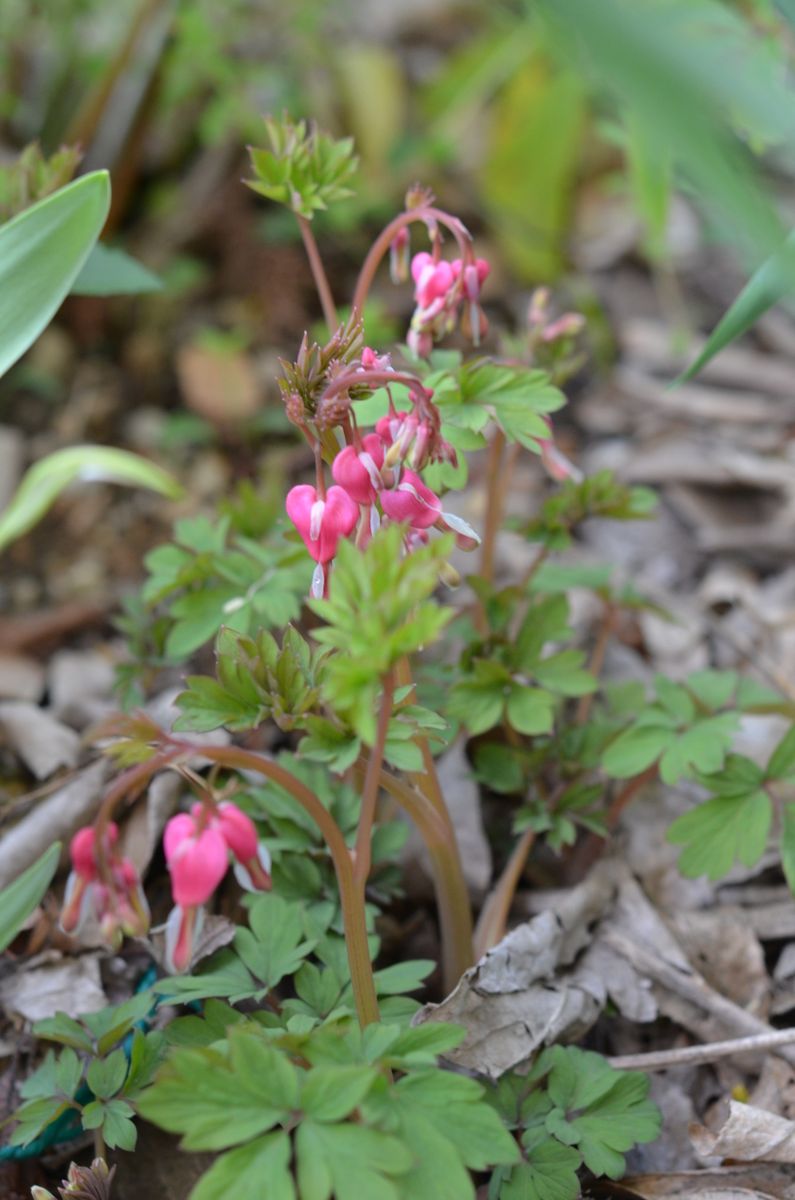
[
  {"x": 787, "y": 10},
  {"x": 19, "y": 899},
  {"x": 774, "y": 280},
  {"x": 46, "y": 479},
  {"x": 41, "y": 252},
  {"x": 538, "y": 119},
  {"x": 686, "y": 72},
  {"x": 110, "y": 272}
]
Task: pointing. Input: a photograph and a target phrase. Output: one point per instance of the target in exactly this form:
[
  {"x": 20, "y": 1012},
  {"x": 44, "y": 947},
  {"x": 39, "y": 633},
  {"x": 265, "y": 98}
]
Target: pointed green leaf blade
[
  {"x": 19, "y": 899},
  {"x": 111, "y": 272},
  {"x": 41, "y": 252},
  {"x": 47, "y": 478}
]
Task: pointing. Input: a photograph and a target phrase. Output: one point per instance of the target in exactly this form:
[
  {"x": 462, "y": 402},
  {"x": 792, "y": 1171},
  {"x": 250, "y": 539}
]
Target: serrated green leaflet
[
  {"x": 722, "y": 831},
  {"x": 245, "y": 1170},
  {"x": 348, "y": 1161},
  {"x": 41, "y": 253},
  {"x": 550, "y": 1173},
  {"x": 275, "y": 945},
  {"x": 219, "y": 1097}
]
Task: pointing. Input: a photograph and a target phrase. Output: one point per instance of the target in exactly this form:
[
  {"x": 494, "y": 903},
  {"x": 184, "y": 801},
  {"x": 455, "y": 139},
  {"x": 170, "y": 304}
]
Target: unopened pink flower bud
[
  {"x": 419, "y": 342},
  {"x": 433, "y": 280},
  {"x": 568, "y": 325},
  {"x": 538, "y": 308},
  {"x": 557, "y": 465},
  {"x": 252, "y": 866},
  {"x": 399, "y": 256},
  {"x": 422, "y": 445},
  {"x": 375, "y": 362},
  {"x": 403, "y": 440}
]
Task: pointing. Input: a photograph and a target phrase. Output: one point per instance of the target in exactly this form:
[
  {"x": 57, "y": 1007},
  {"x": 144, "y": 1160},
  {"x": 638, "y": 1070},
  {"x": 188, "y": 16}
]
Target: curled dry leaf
[
  {"x": 70, "y": 985},
  {"x": 765, "y": 1181},
  {"x": 749, "y": 1134},
  {"x": 549, "y": 979},
  {"x": 41, "y": 741}
]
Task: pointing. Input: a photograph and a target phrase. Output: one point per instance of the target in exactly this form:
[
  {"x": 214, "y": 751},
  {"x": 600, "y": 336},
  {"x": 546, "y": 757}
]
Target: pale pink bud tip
[{"x": 182, "y": 931}]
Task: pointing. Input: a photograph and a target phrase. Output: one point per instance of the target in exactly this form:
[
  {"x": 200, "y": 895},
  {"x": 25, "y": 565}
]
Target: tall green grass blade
[{"x": 774, "y": 280}]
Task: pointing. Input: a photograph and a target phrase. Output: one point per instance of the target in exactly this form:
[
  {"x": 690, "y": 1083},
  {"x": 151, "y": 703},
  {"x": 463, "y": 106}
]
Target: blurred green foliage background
[{"x": 525, "y": 115}]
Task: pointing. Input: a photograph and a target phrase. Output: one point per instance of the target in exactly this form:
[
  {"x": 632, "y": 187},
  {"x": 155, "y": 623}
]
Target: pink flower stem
[
  {"x": 130, "y": 782},
  {"x": 318, "y": 274},
  {"x": 363, "y": 853},
  {"x": 351, "y": 897},
  {"x": 374, "y": 379},
  {"x": 380, "y": 247}
]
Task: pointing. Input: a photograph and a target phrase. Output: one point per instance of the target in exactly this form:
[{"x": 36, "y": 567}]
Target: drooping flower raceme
[
  {"x": 197, "y": 846},
  {"x": 109, "y": 890},
  {"x": 443, "y": 293}
]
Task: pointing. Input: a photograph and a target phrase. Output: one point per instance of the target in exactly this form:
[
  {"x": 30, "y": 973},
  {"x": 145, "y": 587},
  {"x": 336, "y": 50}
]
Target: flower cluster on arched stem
[{"x": 377, "y": 475}]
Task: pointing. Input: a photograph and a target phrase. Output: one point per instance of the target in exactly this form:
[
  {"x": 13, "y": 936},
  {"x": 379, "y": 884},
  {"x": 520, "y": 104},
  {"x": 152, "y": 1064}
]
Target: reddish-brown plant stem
[
  {"x": 363, "y": 854},
  {"x": 129, "y": 782},
  {"x": 628, "y": 793},
  {"x": 318, "y": 273},
  {"x": 452, "y": 897},
  {"x": 380, "y": 247},
  {"x": 597, "y": 660},
  {"x": 493, "y": 918},
  {"x": 351, "y": 900}
]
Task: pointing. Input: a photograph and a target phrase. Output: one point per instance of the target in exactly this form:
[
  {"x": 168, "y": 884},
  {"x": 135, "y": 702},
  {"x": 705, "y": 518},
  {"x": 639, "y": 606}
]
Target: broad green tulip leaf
[
  {"x": 18, "y": 900},
  {"x": 41, "y": 253},
  {"x": 111, "y": 272},
  {"x": 46, "y": 479}
]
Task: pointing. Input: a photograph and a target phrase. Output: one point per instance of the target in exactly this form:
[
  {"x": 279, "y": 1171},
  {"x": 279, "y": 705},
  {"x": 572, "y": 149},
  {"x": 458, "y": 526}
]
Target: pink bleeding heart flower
[
  {"x": 197, "y": 859},
  {"x": 474, "y": 275},
  {"x": 321, "y": 523},
  {"x": 432, "y": 279},
  {"x": 412, "y": 502},
  {"x": 358, "y": 471},
  {"x": 253, "y": 862}
]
